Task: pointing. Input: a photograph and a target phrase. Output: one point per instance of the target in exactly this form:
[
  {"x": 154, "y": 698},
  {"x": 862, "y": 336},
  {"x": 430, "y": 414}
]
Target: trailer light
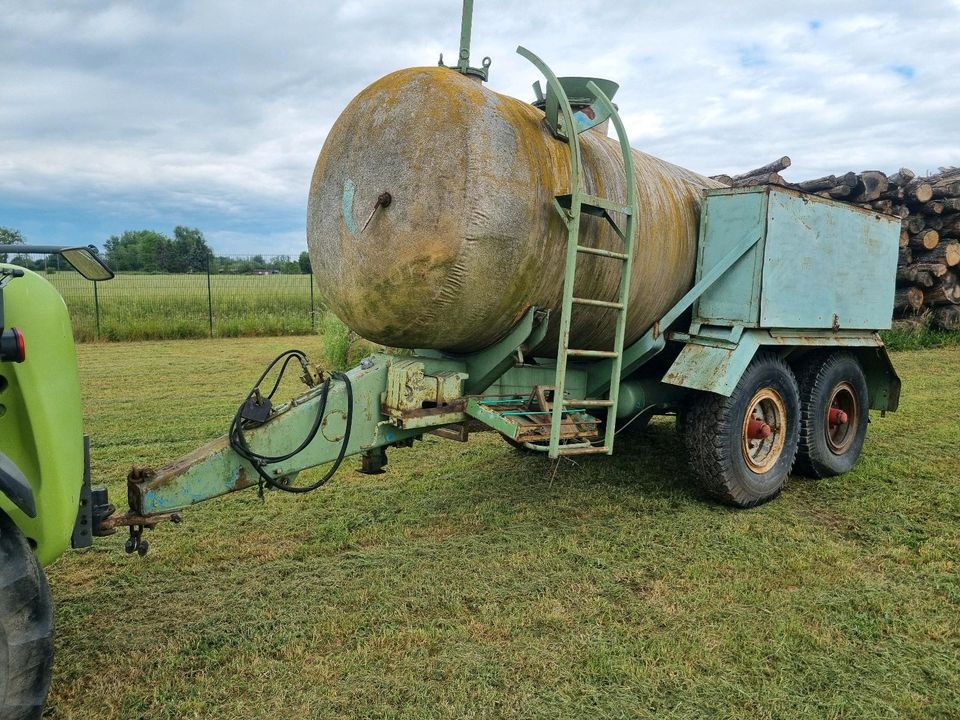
[{"x": 12, "y": 346}]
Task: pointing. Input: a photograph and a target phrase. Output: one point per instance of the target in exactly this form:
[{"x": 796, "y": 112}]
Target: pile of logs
[{"x": 928, "y": 274}]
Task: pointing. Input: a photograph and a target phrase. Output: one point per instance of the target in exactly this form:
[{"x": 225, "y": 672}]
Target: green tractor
[{"x": 45, "y": 504}]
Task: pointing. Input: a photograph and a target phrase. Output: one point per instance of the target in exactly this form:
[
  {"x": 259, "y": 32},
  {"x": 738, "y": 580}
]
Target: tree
[
  {"x": 139, "y": 250},
  {"x": 191, "y": 253},
  {"x": 150, "y": 251},
  {"x": 8, "y": 236},
  {"x": 304, "y": 262}
]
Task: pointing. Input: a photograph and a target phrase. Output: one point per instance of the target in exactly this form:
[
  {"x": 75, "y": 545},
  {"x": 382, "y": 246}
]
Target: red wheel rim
[
  {"x": 763, "y": 433},
  {"x": 842, "y": 418}
]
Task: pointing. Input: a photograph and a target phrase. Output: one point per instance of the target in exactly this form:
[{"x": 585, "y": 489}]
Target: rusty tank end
[{"x": 470, "y": 239}]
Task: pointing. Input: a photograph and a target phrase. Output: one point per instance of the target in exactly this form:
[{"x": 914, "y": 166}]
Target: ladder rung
[
  {"x": 589, "y": 403},
  {"x": 598, "y": 303},
  {"x": 593, "y": 449},
  {"x": 604, "y": 203},
  {"x": 592, "y": 353},
  {"x": 546, "y": 412},
  {"x": 601, "y": 253}
]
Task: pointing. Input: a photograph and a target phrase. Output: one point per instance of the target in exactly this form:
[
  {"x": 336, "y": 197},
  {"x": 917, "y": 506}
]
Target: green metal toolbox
[{"x": 819, "y": 264}]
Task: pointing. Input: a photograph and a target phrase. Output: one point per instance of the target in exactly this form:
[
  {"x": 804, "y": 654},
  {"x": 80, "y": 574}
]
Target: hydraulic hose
[{"x": 238, "y": 440}]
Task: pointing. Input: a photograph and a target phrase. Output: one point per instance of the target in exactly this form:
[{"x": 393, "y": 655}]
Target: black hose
[{"x": 238, "y": 441}]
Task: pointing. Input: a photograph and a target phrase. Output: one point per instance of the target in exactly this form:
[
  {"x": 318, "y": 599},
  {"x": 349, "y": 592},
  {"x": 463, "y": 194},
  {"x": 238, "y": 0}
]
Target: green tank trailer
[{"x": 553, "y": 284}]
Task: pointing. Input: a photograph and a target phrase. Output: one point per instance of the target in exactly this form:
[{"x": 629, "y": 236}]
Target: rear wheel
[
  {"x": 26, "y": 628},
  {"x": 743, "y": 446},
  {"x": 833, "y": 414}
]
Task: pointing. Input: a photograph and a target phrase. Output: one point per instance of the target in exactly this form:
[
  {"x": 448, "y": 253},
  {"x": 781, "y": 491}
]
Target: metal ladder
[{"x": 568, "y": 125}]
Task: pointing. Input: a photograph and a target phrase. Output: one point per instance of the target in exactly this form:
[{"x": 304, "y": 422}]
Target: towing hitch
[{"x": 106, "y": 520}]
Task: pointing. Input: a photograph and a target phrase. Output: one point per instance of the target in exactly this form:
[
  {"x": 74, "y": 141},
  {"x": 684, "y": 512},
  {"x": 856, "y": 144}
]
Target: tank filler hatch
[{"x": 588, "y": 112}]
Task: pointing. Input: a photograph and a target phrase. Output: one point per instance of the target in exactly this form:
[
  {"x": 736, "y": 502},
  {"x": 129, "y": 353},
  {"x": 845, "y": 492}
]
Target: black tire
[
  {"x": 830, "y": 381},
  {"x": 729, "y": 465},
  {"x": 26, "y": 628}
]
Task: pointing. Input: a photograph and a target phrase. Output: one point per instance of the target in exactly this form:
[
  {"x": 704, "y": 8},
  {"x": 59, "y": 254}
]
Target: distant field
[
  {"x": 154, "y": 307},
  {"x": 174, "y": 307},
  {"x": 475, "y": 581}
]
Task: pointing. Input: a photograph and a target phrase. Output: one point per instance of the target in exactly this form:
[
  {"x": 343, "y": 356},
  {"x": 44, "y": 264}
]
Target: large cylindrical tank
[{"x": 471, "y": 239}]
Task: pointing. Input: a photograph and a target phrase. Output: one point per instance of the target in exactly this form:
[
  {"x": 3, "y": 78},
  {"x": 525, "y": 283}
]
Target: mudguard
[
  {"x": 41, "y": 420},
  {"x": 715, "y": 359}
]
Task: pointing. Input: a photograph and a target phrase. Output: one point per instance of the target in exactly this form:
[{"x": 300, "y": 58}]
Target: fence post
[
  {"x": 313, "y": 312},
  {"x": 96, "y": 306},
  {"x": 209, "y": 298}
]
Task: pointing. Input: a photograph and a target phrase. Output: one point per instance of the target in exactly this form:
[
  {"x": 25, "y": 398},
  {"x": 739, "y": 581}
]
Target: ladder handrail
[
  {"x": 570, "y": 127},
  {"x": 629, "y": 235},
  {"x": 571, "y": 218}
]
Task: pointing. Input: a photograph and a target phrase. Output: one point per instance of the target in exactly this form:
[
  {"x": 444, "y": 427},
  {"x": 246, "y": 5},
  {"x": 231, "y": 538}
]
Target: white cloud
[{"x": 220, "y": 109}]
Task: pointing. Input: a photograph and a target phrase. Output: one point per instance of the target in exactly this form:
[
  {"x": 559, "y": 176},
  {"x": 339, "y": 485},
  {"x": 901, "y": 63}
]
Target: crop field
[
  {"x": 151, "y": 307},
  {"x": 476, "y": 581}
]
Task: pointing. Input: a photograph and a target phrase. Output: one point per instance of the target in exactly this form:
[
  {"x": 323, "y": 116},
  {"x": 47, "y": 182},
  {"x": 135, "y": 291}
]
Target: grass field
[
  {"x": 473, "y": 581},
  {"x": 153, "y": 307}
]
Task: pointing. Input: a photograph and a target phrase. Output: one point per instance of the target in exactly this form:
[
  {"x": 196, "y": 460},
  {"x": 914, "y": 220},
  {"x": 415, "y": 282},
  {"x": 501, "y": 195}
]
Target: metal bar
[
  {"x": 598, "y": 303},
  {"x": 599, "y": 201},
  {"x": 602, "y": 253},
  {"x": 546, "y": 448},
  {"x": 590, "y": 403},
  {"x": 486, "y": 366},
  {"x": 313, "y": 309},
  {"x": 466, "y": 26},
  {"x": 215, "y": 469},
  {"x": 209, "y": 298},
  {"x": 542, "y": 412},
  {"x": 96, "y": 307},
  {"x": 592, "y": 353},
  {"x": 707, "y": 281},
  {"x": 592, "y": 450}
]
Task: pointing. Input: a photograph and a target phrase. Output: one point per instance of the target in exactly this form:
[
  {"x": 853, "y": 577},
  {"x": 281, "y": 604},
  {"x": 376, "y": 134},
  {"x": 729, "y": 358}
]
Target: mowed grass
[
  {"x": 151, "y": 307},
  {"x": 474, "y": 581}
]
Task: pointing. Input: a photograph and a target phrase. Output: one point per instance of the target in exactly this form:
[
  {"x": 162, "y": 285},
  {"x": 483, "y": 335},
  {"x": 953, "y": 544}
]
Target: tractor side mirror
[
  {"x": 87, "y": 262},
  {"x": 84, "y": 258}
]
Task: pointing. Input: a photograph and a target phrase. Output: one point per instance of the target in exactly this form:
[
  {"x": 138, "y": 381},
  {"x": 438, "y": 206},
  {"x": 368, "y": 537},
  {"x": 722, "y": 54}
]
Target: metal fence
[{"x": 142, "y": 306}]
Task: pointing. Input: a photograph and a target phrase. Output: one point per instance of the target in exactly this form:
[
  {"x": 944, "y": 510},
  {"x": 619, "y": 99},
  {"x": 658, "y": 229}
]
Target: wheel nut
[
  {"x": 837, "y": 417},
  {"x": 758, "y": 430}
]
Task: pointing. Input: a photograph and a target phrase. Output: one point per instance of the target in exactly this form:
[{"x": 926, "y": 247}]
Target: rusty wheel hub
[
  {"x": 843, "y": 417},
  {"x": 764, "y": 430}
]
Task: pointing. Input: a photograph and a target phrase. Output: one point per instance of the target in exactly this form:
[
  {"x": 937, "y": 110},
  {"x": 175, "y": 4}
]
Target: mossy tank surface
[{"x": 470, "y": 239}]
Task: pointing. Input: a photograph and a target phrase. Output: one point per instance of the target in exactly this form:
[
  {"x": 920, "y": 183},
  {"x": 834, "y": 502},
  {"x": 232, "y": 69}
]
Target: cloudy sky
[{"x": 130, "y": 115}]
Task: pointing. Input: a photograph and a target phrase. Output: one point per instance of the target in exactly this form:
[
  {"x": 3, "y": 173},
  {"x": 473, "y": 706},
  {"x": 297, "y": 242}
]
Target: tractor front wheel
[
  {"x": 26, "y": 628},
  {"x": 743, "y": 446}
]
